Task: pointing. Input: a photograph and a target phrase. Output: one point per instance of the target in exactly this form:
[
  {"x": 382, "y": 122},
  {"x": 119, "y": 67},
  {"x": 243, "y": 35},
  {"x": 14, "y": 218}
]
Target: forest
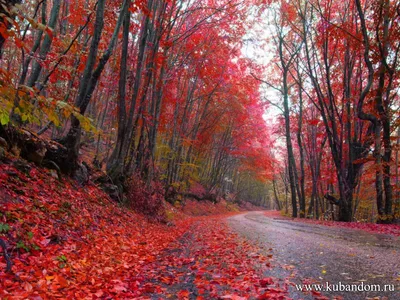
[
  {"x": 161, "y": 91},
  {"x": 148, "y": 111},
  {"x": 153, "y": 90},
  {"x": 336, "y": 71}
]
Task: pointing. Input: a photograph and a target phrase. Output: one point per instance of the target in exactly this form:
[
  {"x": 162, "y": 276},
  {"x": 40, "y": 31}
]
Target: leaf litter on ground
[{"x": 68, "y": 241}]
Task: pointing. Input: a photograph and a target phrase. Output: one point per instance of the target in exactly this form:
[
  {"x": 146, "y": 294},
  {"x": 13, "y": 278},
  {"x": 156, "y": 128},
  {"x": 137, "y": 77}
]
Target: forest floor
[{"x": 69, "y": 241}]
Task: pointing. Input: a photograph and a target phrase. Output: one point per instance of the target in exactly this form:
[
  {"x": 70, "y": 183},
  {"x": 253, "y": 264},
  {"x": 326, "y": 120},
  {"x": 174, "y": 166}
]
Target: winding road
[{"x": 305, "y": 253}]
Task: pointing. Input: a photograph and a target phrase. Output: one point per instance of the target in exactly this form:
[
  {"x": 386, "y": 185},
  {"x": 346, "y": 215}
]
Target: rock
[
  {"x": 15, "y": 151},
  {"x": 54, "y": 174},
  {"x": 32, "y": 147},
  {"x": 82, "y": 174},
  {"x": 89, "y": 170},
  {"x": 112, "y": 190},
  {"x": 38, "y": 154},
  {"x": 2, "y": 153},
  {"x": 22, "y": 165},
  {"x": 3, "y": 143},
  {"x": 53, "y": 167},
  {"x": 59, "y": 155}
]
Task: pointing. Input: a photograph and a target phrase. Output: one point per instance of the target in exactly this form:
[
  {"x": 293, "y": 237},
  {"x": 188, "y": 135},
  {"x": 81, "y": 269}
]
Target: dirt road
[{"x": 308, "y": 253}]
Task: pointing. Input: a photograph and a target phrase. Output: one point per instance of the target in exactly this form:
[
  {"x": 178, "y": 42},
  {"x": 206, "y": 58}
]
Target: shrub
[{"x": 146, "y": 199}]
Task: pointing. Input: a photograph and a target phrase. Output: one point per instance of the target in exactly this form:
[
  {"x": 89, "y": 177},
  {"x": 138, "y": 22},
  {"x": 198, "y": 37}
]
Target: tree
[{"x": 89, "y": 81}]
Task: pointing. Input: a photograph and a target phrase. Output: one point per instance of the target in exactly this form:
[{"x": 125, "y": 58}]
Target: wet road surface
[{"x": 311, "y": 253}]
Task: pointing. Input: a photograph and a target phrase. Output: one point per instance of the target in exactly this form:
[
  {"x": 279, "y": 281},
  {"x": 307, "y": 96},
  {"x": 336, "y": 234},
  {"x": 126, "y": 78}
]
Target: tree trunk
[
  {"x": 302, "y": 195},
  {"x": 291, "y": 161},
  {"x": 45, "y": 46},
  {"x": 397, "y": 197},
  {"x": 278, "y": 204},
  {"x": 116, "y": 165},
  {"x": 89, "y": 81}
]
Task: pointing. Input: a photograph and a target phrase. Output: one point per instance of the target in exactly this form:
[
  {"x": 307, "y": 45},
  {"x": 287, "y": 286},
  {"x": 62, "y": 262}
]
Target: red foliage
[
  {"x": 73, "y": 242},
  {"x": 233, "y": 263},
  {"x": 213, "y": 263},
  {"x": 68, "y": 241},
  {"x": 146, "y": 199},
  {"x": 390, "y": 229},
  {"x": 206, "y": 208},
  {"x": 197, "y": 189}
]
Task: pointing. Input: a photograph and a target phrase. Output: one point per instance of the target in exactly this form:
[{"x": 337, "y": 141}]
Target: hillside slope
[
  {"x": 61, "y": 236},
  {"x": 65, "y": 240}
]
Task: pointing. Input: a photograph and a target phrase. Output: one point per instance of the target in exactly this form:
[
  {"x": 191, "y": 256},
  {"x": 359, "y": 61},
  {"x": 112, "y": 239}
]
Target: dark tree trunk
[
  {"x": 89, "y": 81},
  {"x": 123, "y": 152},
  {"x": 46, "y": 44},
  {"x": 302, "y": 195},
  {"x": 116, "y": 163},
  {"x": 278, "y": 204},
  {"x": 291, "y": 161}
]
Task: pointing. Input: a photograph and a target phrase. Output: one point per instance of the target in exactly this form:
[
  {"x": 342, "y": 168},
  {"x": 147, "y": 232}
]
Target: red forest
[{"x": 122, "y": 122}]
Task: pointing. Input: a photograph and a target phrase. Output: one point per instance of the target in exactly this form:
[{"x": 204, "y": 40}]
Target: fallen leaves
[
  {"x": 389, "y": 229},
  {"x": 233, "y": 297},
  {"x": 212, "y": 262},
  {"x": 266, "y": 281},
  {"x": 68, "y": 241},
  {"x": 183, "y": 294},
  {"x": 72, "y": 242}
]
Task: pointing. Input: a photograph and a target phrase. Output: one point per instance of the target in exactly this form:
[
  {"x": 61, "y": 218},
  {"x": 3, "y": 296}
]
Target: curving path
[{"x": 310, "y": 253}]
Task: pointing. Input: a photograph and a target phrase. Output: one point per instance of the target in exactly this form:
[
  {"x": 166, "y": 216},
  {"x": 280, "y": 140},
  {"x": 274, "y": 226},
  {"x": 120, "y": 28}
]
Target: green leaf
[
  {"x": 17, "y": 111},
  {"x": 21, "y": 245},
  {"x": 4, "y": 228},
  {"x": 4, "y": 118}
]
